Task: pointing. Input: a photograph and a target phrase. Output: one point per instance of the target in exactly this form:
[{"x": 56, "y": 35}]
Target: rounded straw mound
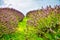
[{"x": 9, "y": 19}]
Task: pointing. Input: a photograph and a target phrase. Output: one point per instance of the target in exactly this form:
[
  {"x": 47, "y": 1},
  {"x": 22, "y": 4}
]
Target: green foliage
[
  {"x": 47, "y": 25},
  {"x": 37, "y": 26}
]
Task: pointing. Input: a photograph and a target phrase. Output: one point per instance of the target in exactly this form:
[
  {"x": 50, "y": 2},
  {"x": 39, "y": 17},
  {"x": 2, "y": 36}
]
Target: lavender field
[{"x": 29, "y": 19}]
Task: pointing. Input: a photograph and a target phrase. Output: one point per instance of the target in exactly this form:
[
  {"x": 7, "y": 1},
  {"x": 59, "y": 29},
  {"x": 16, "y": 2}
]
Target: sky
[{"x": 27, "y": 5}]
